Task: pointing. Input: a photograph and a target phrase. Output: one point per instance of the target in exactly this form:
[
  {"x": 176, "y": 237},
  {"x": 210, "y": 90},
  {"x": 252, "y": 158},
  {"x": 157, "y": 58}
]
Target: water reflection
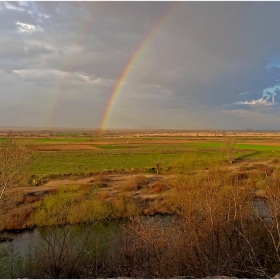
[{"x": 263, "y": 210}]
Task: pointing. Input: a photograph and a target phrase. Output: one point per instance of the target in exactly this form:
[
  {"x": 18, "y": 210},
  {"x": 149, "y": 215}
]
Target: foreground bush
[{"x": 69, "y": 207}]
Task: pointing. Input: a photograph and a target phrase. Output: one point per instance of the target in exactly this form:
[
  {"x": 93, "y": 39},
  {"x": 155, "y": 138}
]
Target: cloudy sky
[{"x": 180, "y": 65}]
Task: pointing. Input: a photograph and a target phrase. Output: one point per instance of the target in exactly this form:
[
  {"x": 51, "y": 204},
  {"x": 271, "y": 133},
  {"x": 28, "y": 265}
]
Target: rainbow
[
  {"x": 129, "y": 65},
  {"x": 58, "y": 88}
]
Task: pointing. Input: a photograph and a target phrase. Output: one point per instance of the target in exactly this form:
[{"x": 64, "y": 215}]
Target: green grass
[
  {"x": 258, "y": 147},
  {"x": 209, "y": 145},
  {"x": 112, "y": 147},
  {"x": 219, "y": 145},
  {"x": 60, "y": 162},
  {"x": 139, "y": 155}
]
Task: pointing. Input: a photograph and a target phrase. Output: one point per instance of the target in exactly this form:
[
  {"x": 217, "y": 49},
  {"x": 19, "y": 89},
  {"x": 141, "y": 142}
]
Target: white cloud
[
  {"x": 258, "y": 102},
  {"x": 28, "y": 28},
  {"x": 30, "y": 7},
  {"x": 267, "y": 99},
  {"x": 94, "y": 81},
  {"x": 9, "y": 6}
]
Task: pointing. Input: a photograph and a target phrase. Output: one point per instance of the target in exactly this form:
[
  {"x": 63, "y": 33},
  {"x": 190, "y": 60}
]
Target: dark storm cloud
[{"x": 209, "y": 64}]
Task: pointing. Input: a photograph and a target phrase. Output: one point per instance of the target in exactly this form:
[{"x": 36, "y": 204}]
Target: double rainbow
[{"x": 81, "y": 36}]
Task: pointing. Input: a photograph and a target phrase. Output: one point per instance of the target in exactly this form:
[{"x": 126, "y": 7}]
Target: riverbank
[
  {"x": 76, "y": 199},
  {"x": 217, "y": 225},
  {"x": 113, "y": 196}
]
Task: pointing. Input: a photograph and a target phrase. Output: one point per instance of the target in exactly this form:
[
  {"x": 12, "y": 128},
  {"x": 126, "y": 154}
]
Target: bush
[{"x": 54, "y": 210}]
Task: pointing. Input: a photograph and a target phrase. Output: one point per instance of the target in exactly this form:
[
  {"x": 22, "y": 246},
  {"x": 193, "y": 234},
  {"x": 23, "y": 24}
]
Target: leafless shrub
[
  {"x": 15, "y": 162},
  {"x": 217, "y": 228},
  {"x": 143, "y": 251},
  {"x": 228, "y": 143},
  {"x": 60, "y": 255}
]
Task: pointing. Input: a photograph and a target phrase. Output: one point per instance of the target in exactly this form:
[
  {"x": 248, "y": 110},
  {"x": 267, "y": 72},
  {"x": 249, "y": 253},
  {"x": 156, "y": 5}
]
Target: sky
[{"x": 140, "y": 65}]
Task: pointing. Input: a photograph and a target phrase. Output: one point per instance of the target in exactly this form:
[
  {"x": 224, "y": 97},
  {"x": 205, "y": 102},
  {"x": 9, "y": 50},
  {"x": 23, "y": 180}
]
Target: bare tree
[
  {"x": 229, "y": 143},
  {"x": 15, "y": 161},
  {"x": 157, "y": 159}
]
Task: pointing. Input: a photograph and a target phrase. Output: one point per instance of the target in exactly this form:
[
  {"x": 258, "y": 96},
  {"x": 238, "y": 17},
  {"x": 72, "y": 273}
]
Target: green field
[
  {"x": 219, "y": 145},
  {"x": 86, "y": 161},
  {"x": 134, "y": 153}
]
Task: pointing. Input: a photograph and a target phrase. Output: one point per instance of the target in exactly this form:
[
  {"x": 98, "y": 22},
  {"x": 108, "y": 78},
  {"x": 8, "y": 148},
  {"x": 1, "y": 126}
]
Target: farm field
[{"x": 84, "y": 154}]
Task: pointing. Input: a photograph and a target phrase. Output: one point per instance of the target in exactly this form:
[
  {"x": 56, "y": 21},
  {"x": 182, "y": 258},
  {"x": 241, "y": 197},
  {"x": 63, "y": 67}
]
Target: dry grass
[
  {"x": 29, "y": 199},
  {"x": 245, "y": 167},
  {"x": 266, "y": 169},
  {"x": 19, "y": 219},
  {"x": 275, "y": 161},
  {"x": 241, "y": 175},
  {"x": 157, "y": 187},
  {"x": 100, "y": 180},
  {"x": 135, "y": 183},
  {"x": 103, "y": 195},
  {"x": 53, "y": 191}
]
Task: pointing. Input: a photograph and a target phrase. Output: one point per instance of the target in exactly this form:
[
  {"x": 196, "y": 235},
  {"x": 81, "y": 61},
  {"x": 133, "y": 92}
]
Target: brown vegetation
[
  {"x": 15, "y": 161},
  {"x": 135, "y": 183},
  {"x": 229, "y": 143},
  {"x": 217, "y": 230}
]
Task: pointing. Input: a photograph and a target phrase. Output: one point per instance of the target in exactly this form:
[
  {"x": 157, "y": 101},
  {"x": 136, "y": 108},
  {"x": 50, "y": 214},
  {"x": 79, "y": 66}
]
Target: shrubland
[{"x": 218, "y": 229}]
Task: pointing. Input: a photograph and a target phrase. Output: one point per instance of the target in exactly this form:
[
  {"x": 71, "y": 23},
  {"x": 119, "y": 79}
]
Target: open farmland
[{"x": 72, "y": 154}]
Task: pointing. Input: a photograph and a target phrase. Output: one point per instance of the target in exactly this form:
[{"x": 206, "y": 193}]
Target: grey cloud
[
  {"x": 18, "y": 49},
  {"x": 202, "y": 59}
]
